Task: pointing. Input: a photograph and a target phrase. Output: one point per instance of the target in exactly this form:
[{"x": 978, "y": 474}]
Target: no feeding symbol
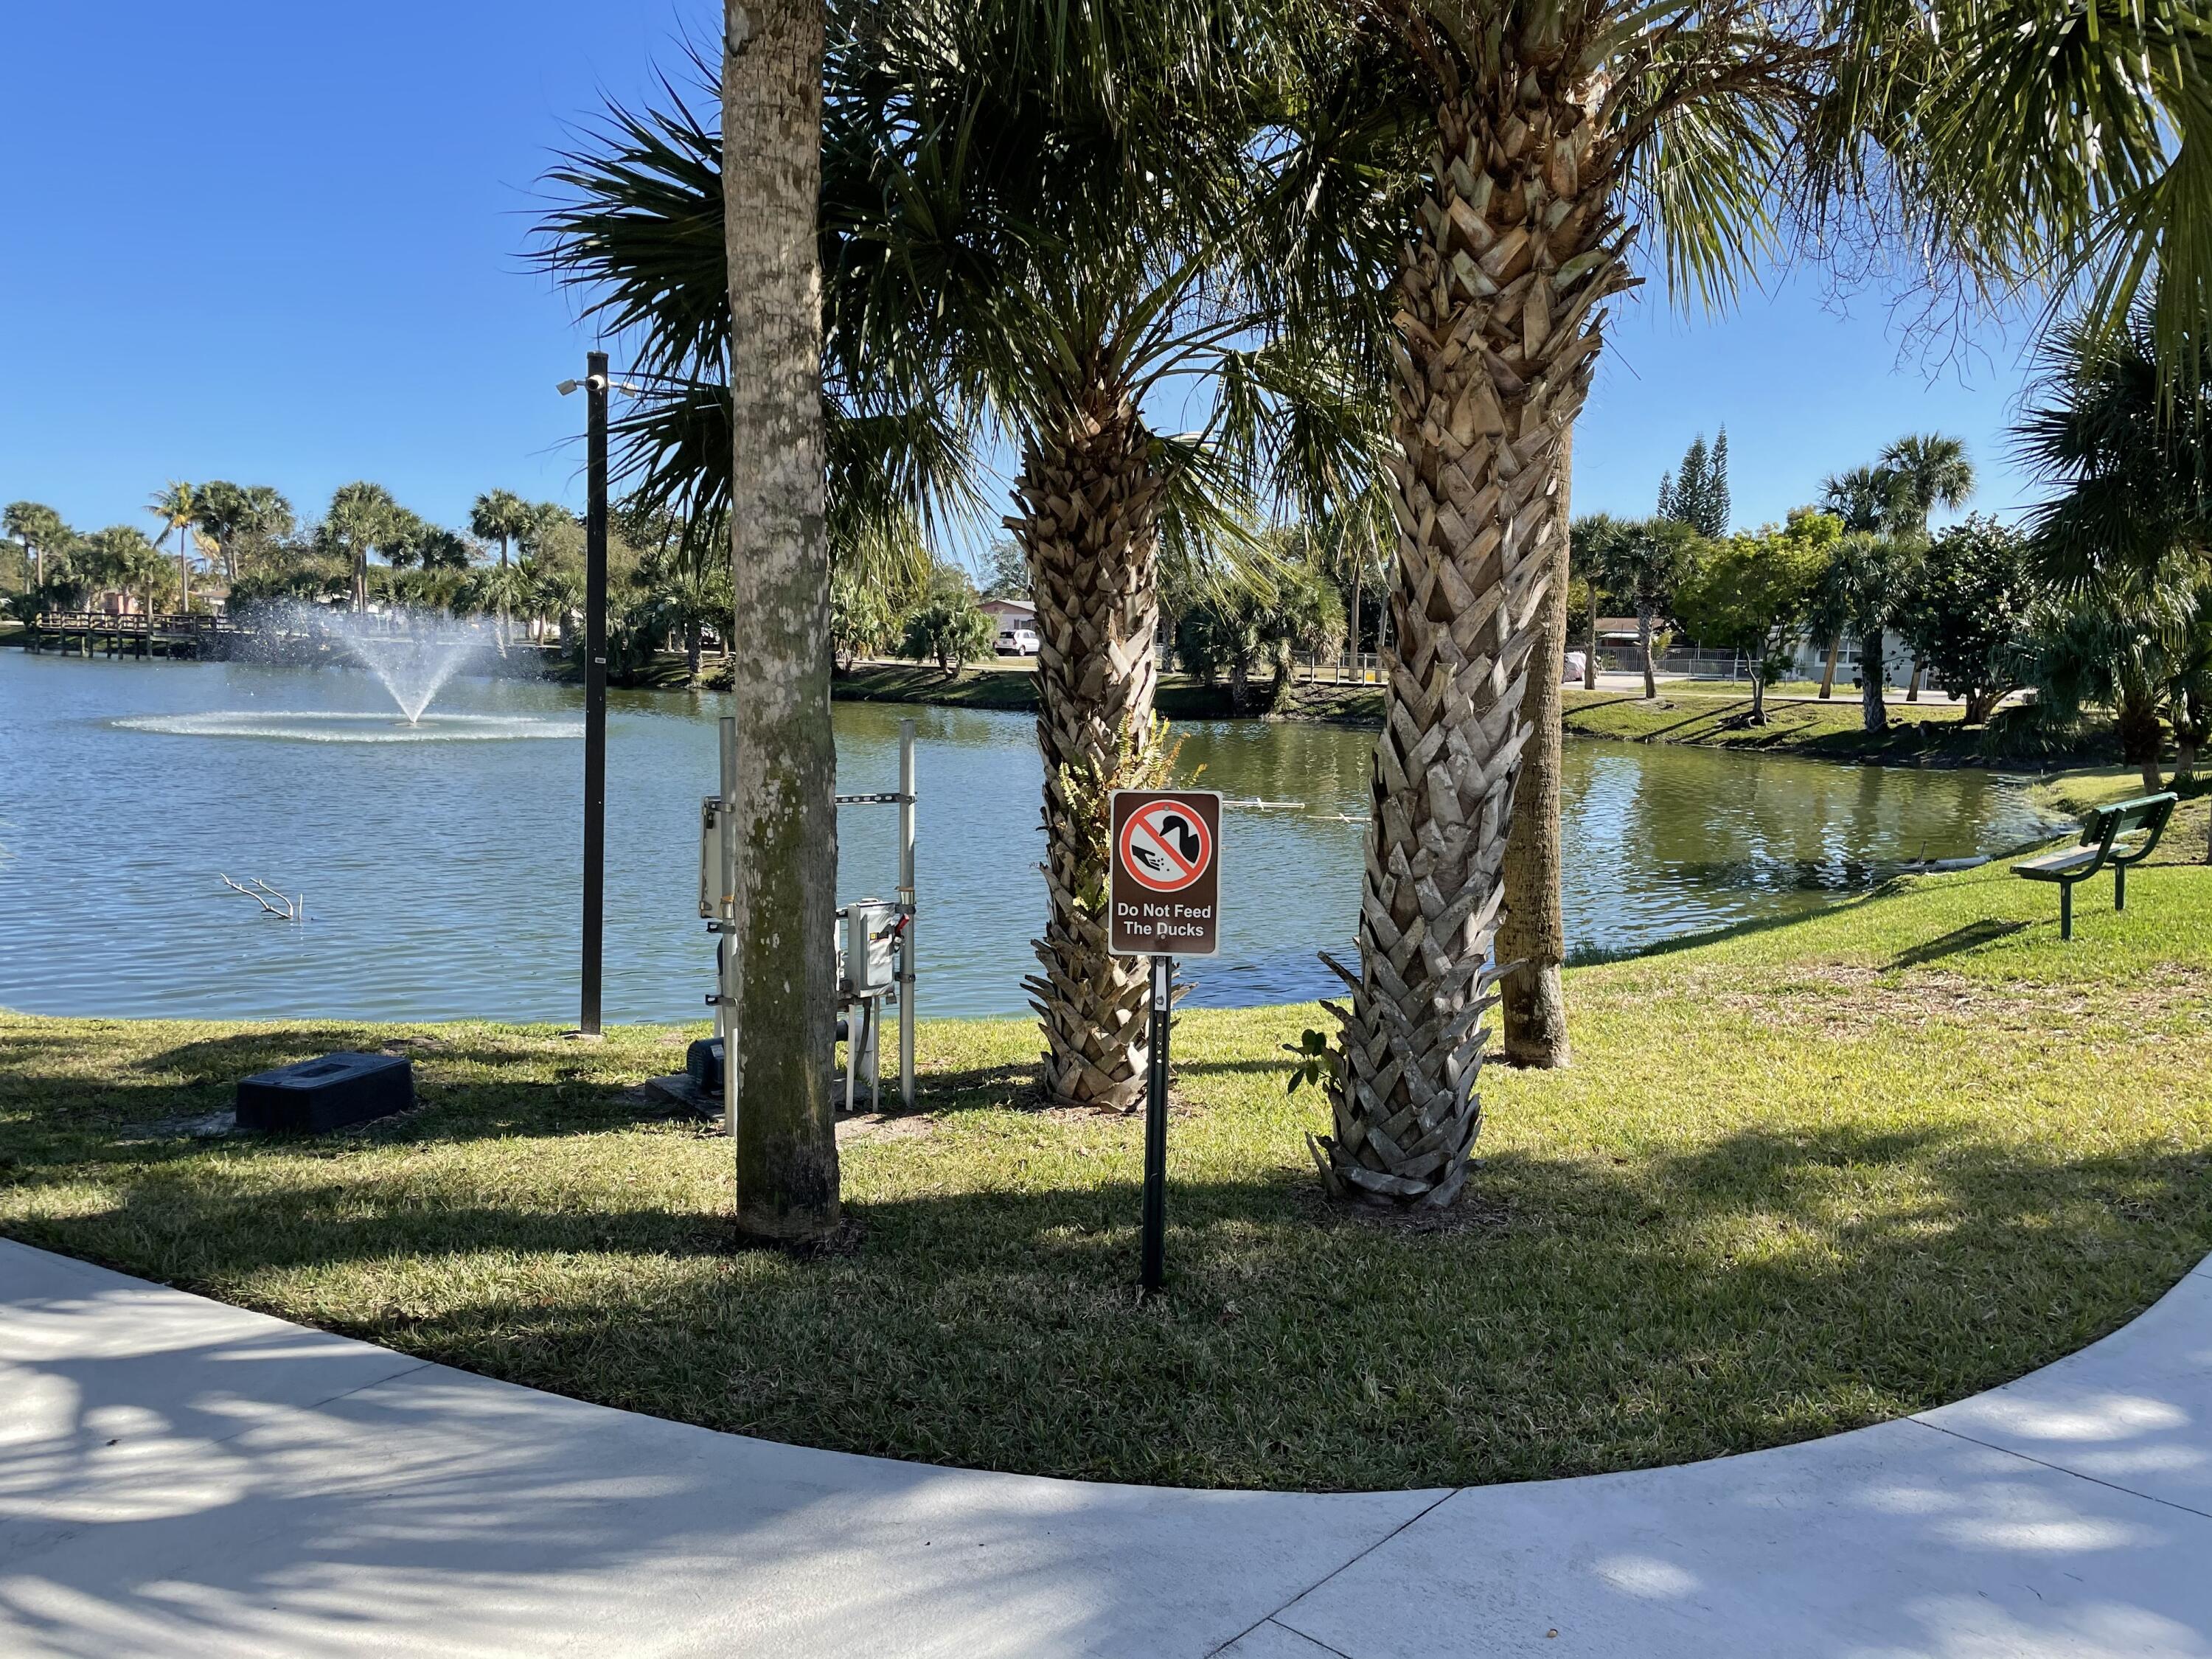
[{"x": 1166, "y": 846}]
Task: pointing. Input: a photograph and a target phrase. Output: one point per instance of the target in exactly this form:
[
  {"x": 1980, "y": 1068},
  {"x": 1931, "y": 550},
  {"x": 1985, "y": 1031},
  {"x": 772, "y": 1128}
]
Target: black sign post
[
  {"x": 1165, "y": 900},
  {"x": 1154, "y": 1272}
]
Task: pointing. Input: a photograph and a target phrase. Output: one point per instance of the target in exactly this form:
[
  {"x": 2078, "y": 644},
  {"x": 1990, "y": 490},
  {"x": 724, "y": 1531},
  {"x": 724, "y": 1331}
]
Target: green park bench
[{"x": 2102, "y": 847}]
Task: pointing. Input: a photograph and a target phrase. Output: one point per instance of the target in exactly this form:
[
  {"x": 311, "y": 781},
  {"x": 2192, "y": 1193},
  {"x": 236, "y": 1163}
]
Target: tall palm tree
[
  {"x": 178, "y": 507},
  {"x": 1926, "y": 471},
  {"x": 39, "y": 529},
  {"x": 362, "y": 519},
  {"x": 2004, "y": 141},
  {"x": 1866, "y": 500},
  {"x": 230, "y": 513},
  {"x": 502, "y": 516},
  {"x": 1533, "y": 931},
  {"x": 778, "y": 1020},
  {"x": 1047, "y": 281}
]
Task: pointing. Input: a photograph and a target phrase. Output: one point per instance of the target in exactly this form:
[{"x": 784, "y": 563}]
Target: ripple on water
[{"x": 315, "y": 726}]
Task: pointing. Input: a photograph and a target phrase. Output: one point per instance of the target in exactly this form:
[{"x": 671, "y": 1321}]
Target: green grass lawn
[
  {"x": 1919, "y": 732},
  {"x": 1799, "y": 1179},
  {"x": 1011, "y": 684}
]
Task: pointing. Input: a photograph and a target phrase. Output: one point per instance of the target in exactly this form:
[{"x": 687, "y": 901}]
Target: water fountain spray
[{"x": 412, "y": 652}]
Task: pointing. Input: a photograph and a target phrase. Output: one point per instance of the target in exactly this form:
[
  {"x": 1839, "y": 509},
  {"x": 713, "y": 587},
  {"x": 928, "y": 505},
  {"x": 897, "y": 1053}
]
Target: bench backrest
[{"x": 2107, "y": 824}]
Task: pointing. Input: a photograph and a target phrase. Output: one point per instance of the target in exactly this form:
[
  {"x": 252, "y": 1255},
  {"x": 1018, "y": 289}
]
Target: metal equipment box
[
  {"x": 868, "y": 964},
  {"x": 318, "y": 1095}
]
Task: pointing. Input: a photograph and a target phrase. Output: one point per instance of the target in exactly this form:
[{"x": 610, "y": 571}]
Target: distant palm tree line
[{"x": 243, "y": 544}]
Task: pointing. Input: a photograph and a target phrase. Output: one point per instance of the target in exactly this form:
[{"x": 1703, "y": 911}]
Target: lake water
[{"x": 441, "y": 877}]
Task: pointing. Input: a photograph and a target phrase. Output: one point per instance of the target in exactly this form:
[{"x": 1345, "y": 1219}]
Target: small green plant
[{"x": 1313, "y": 1058}]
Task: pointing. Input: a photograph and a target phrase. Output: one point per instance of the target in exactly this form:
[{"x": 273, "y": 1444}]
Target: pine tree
[
  {"x": 1718, "y": 509},
  {"x": 1698, "y": 495},
  {"x": 1690, "y": 485}
]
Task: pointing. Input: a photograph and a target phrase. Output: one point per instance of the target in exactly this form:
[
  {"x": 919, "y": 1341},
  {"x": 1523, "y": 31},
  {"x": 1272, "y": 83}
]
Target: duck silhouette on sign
[{"x": 1177, "y": 829}]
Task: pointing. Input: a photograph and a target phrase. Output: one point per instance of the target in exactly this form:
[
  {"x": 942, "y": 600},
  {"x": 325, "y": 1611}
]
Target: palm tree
[
  {"x": 502, "y": 516},
  {"x": 1644, "y": 559},
  {"x": 2137, "y": 650},
  {"x": 121, "y": 558},
  {"x": 1893, "y": 498},
  {"x": 781, "y": 1021},
  {"x": 1865, "y": 586},
  {"x": 2126, "y": 447},
  {"x": 362, "y": 519},
  {"x": 178, "y": 507},
  {"x": 2124, "y": 538},
  {"x": 1051, "y": 279},
  {"x": 1865, "y": 499},
  {"x": 2002, "y": 141},
  {"x": 39, "y": 528},
  {"x": 229, "y": 514},
  {"x": 1926, "y": 471}
]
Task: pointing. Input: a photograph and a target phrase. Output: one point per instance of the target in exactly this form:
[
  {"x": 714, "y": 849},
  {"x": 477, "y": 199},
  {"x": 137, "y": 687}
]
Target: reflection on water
[{"x": 441, "y": 875}]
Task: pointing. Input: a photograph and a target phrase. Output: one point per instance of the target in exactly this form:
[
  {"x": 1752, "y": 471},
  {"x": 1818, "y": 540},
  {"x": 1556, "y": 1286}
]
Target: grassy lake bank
[{"x": 1800, "y": 1178}]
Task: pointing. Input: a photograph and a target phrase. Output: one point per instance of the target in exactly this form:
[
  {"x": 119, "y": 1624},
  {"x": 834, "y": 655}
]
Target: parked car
[{"x": 1019, "y": 641}]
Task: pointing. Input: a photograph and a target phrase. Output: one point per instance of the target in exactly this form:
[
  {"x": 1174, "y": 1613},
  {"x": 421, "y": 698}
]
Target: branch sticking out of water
[{"x": 291, "y": 909}]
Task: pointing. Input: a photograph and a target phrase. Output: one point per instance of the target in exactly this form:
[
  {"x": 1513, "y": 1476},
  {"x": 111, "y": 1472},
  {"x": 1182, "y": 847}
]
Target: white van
[{"x": 1018, "y": 639}]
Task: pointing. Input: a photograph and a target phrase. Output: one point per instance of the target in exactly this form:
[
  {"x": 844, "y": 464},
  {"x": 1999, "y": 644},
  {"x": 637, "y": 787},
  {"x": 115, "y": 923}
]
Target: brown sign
[{"x": 1166, "y": 891}]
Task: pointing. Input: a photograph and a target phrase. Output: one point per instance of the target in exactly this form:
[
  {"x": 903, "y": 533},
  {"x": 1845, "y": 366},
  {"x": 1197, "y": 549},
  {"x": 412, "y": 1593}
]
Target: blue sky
[{"x": 283, "y": 244}]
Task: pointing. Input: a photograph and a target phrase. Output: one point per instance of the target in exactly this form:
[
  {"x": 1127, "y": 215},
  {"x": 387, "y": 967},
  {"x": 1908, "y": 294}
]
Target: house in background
[{"x": 1010, "y": 613}]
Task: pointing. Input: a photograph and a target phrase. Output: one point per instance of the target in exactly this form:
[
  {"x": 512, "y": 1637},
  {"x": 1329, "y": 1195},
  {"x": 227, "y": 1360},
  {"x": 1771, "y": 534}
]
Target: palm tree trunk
[
  {"x": 1912, "y": 690},
  {"x": 1873, "y": 713},
  {"x": 1087, "y": 529},
  {"x": 2136, "y": 722},
  {"x": 781, "y": 1011},
  {"x": 1643, "y": 649},
  {"x": 1512, "y": 251},
  {"x": 1533, "y": 1012},
  {"x": 1589, "y": 654},
  {"x": 692, "y": 650},
  {"x": 1828, "y": 674}
]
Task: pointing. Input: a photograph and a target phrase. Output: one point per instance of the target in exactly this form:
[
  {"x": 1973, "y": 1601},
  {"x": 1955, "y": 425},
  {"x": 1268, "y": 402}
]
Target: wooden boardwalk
[{"x": 93, "y": 633}]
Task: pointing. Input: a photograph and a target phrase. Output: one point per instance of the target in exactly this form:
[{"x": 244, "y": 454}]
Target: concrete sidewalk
[{"x": 180, "y": 1477}]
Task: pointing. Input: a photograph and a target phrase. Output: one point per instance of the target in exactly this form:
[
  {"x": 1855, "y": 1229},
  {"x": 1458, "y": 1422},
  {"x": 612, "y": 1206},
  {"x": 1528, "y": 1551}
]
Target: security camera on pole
[{"x": 1164, "y": 900}]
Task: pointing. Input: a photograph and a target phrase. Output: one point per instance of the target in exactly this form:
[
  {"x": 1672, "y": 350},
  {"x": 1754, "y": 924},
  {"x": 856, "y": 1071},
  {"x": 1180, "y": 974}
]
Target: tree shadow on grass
[{"x": 1770, "y": 1284}]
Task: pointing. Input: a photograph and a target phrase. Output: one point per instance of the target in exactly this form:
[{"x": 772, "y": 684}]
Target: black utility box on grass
[
  {"x": 703, "y": 1062},
  {"x": 315, "y": 1095}
]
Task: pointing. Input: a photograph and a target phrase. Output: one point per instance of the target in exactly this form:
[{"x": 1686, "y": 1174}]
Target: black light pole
[{"x": 595, "y": 686}]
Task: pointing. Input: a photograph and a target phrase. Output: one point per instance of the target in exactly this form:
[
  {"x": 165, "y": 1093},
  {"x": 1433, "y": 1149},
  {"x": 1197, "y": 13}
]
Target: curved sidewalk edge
[{"x": 178, "y": 1476}]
